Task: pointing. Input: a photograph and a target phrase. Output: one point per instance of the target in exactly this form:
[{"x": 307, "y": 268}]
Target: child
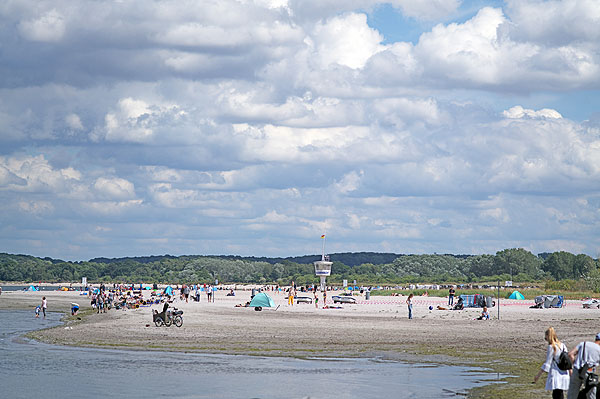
[
  {"x": 485, "y": 315},
  {"x": 37, "y": 311}
]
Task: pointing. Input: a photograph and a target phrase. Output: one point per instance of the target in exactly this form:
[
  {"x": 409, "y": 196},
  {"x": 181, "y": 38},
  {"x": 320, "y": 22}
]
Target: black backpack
[{"x": 564, "y": 361}]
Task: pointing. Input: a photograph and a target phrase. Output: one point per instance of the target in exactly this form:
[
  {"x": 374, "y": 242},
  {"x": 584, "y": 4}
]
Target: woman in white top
[{"x": 558, "y": 380}]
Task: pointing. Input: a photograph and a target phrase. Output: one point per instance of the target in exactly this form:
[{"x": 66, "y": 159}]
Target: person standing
[
  {"x": 291, "y": 295},
  {"x": 316, "y": 299},
  {"x": 186, "y": 293},
  {"x": 44, "y": 306},
  {"x": 451, "y": 293},
  {"x": 558, "y": 380},
  {"x": 99, "y": 303},
  {"x": 208, "y": 292},
  {"x": 586, "y": 355},
  {"x": 410, "y": 305}
]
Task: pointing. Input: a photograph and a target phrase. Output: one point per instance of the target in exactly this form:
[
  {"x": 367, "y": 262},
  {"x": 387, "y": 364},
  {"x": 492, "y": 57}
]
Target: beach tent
[
  {"x": 32, "y": 288},
  {"x": 477, "y": 301},
  {"x": 262, "y": 300},
  {"x": 516, "y": 295},
  {"x": 168, "y": 290},
  {"x": 549, "y": 301}
]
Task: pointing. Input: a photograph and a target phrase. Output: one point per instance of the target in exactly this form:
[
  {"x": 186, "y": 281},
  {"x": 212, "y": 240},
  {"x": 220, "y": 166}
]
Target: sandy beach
[{"x": 377, "y": 327}]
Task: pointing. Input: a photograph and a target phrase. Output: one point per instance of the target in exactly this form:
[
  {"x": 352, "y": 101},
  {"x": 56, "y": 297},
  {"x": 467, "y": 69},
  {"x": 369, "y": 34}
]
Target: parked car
[
  {"x": 343, "y": 299},
  {"x": 591, "y": 303},
  {"x": 305, "y": 299}
]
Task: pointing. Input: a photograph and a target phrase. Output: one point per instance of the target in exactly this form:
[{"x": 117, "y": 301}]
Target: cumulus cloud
[
  {"x": 283, "y": 117},
  {"x": 74, "y": 122},
  {"x": 114, "y": 188},
  {"x": 346, "y": 40},
  {"x": 48, "y": 27},
  {"x": 35, "y": 174},
  {"x": 555, "y": 23},
  {"x": 520, "y": 112}
]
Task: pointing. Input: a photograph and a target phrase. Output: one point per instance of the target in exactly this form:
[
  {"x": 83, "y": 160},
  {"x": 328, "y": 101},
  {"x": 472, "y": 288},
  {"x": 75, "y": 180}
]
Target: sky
[{"x": 252, "y": 127}]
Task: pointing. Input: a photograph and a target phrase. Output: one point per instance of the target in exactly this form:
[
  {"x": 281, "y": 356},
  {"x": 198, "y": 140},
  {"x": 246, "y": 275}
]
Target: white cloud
[
  {"x": 48, "y": 27},
  {"x": 35, "y": 174},
  {"x": 467, "y": 52},
  {"x": 74, "y": 122},
  {"x": 520, "y": 112},
  {"x": 135, "y": 121},
  {"x": 114, "y": 188},
  {"x": 112, "y": 207},
  {"x": 40, "y": 208},
  {"x": 554, "y": 22},
  {"x": 346, "y": 40},
  {"x": 283, "y": 117},
  {"x": 349, "y": 182},
  {"x": 133, "y": 109}
]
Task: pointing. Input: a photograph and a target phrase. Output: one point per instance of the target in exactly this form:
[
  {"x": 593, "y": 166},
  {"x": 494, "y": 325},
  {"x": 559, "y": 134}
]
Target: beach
[{"x": 375, "y": 327}]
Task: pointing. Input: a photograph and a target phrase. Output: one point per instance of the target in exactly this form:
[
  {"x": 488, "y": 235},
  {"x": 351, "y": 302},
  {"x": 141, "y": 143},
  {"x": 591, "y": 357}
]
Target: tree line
[{"x": 514, "y": 264}]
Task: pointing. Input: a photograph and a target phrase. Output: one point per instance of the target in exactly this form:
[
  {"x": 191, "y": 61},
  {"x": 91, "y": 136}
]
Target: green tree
[
  {"x": 560, "y": 265},
  {"x": 517, "y": 260}
]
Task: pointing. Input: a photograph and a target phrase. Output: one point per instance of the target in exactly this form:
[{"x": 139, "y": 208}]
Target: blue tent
[
  {"x": 32, "y": 288},
  {"x": 516, "y": 295},
  {"x": 262, "y": 300},
  {"x": 168, "y": 290}
]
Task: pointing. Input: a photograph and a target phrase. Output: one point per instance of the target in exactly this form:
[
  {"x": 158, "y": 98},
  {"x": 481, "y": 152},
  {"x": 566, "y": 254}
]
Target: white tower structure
[{"x": 323, "y": 266}]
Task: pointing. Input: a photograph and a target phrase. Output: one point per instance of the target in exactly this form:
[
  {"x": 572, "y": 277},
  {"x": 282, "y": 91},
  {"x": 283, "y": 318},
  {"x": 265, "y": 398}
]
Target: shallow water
[
  {"x": 29, "y": 369},
  {"x": 24, "y": 287}
]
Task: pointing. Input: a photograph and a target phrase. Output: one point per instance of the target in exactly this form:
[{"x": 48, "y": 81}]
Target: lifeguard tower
[{"x": 323, "y": 266}]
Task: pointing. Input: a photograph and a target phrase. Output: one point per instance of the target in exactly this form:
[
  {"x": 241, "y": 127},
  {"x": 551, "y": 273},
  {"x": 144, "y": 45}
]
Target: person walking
[
  {"x": 100, "y": 303},
  {"x": 585, "y": 356},
  {"x": 44, "y": 306},
  {"x": 557, "y": 380},
  {"x": 410, "y": 305}
]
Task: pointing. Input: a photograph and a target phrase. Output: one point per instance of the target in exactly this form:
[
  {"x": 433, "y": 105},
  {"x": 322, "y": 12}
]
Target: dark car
[
  {"x": 303, "y": 299},
  {"x": 343, "y": 299}
]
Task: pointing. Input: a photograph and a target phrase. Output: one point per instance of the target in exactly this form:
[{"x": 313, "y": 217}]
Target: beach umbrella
[{"x": 516, "y": 295}]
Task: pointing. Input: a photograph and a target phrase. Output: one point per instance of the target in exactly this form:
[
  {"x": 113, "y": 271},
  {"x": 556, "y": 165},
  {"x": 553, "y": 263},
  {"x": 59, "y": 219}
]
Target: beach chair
[{"x": 558, "y": 302}]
